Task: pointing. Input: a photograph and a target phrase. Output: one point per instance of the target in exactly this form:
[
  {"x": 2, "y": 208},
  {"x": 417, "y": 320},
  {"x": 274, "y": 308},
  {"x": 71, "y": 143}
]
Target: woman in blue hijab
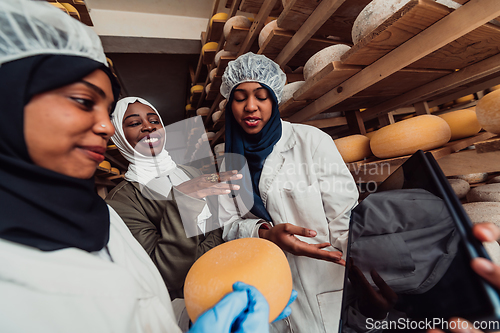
[{"x": 299, "y": 192}]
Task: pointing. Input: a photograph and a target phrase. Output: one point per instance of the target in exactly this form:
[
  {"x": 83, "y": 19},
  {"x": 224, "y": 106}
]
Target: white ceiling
[{"x": 192, "y": 8}]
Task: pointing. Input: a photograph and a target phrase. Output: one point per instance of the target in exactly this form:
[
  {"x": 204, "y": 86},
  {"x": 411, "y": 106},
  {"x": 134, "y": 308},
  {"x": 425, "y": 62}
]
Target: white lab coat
[
  {"x": 71, "y": 290},
  {"x": 304, "y": 182}
]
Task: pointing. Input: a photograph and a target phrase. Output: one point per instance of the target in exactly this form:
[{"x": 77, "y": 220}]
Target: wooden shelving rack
[{"x": 423, "y": 56}]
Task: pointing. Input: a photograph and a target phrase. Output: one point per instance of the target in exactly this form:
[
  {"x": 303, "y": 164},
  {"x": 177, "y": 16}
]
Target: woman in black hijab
[{"x": 68, "y": 263}]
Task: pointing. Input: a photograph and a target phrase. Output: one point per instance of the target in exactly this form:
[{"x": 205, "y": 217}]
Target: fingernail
[
  {"x": 236, "y": 187},
  {"x": 484, "y": 265},
  {"x": 227, "y": 191},
  {"x": 312, "y": 233},
  {"x": 489, "y": 234}
]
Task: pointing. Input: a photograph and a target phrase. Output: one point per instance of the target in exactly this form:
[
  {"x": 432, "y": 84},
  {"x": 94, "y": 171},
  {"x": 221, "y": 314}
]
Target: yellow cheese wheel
[
  {"x": 488, "y": 112},
  {"x": 407, "y": 136},
  {"x": 115, "y": 171},
  {"x": 370, "y": 135},
  {"x": 211, "y": 46},
  {"x": 464, "y": 99},
  {"x": 196, "y": 88},
  {"x": 189, "y": 107},
  {"x": 219, "y": 17},
  {"x": 463, "y": 123},
  {"x": 354, "y": 147},
  {"x": 254, "y": 261},
  {"x": 105, "y": 165}
]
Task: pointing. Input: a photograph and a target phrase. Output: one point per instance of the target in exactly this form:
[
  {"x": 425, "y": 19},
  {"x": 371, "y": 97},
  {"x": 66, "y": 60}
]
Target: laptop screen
[{"x": 408, "y": 266}]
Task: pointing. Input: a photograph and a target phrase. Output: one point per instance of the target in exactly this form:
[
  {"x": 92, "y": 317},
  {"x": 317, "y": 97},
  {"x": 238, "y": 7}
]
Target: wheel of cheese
[
  {"x": 222, "y": 104},
  {"x": 489, "y": 192},
  {"x": 322, "y": 58},
  {"x": 473, "y": 178},
  {"x": 210, "y": 135},
  {"x": 488, "y": 112},
  {"x": 219, "y": 148},
  {"x": 464, "y": 99},
  {"x": 216, "y": 115},
  {"x": 354, "y": 147},
  {"x": 254, "y": 261},
  {"x": 211, "y": 46},
  {"x": 223, "y": 53},
  {"x": 495, "y": 87},
  {"x": 202, "y": 111},
  {"x": 460, "y": 187},
  {"x": 407, "y": 136},
  {"x": 370, "y": 135},
  {"x": 212, "y": 74},
  {"x": 207, "y": 88},
  {"x": 189, "y": 107},
  {"x": 219, "y": 17},
  {"x": 264, "y": 33},
  {"x": 196, "y": 88},
  {"x": 493, "y": 180},
  {"x": 377, "y": 11},
  {"x": 105, "y": 165},
  {"x": 290, "y": 89},
  {"x": 236, "y": 21},
  {"x": 480, "y": 212},
  {"x": 463, "y": 123},
  {"x": 115, "y": 171}
]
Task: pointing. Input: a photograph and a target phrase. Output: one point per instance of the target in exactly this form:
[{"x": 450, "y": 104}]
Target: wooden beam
[
  {"x": 322, "y": 13},
  {"x": 257, "y": 26},
  {"x": 386, "y": 119},
  {"x": 327, "y": 122},
  {"x": 461, "y": 21},
  {"x": 355, "y": 122},
  {"x": 422, "y": 108},
  {"x": 466, "y": 75}
]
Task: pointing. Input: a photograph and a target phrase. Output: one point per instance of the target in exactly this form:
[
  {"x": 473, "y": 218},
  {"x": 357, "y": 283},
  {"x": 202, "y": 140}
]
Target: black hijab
[
  {"x": 255, "y": 148},
  {"x": 39, "y": 207}
]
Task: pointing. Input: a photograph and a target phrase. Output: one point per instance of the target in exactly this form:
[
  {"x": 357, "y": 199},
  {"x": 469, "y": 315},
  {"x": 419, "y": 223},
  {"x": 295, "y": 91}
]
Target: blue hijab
[{"x": 255, "y": 148}]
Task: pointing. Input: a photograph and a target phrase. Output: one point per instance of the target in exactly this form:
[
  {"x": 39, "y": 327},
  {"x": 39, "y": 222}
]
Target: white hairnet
[
  {"x": 29, "y": 28},
  {"x": 251, "y": 67}
]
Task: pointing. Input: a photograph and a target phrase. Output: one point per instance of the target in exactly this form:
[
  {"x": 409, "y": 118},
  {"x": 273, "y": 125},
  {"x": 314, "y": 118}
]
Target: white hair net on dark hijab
[{"x": 251, "y": 67}]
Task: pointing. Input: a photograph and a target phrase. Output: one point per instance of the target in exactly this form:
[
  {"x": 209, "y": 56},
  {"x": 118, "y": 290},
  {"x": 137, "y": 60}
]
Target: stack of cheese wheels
[
  {"x": 463, "y": 123},
  {"x": 202, "y": 111},
  {"x": 407, "y": 136},
  {"x": 211, "y": 46},
  {"x": 377, "y": 11},
  {"x": 218, "y": 17},
  {"x": 266, "y": 31},
  {"x": 488, "y": 112},
  {"x": 290, "y": 89},
  {"x": 223, "y": 53},
  {"x": 322, "y": 58},
  {"x": 236, "y": 21},
  {"x": 354, "y": 147},
  {"x": 254, "y": 261}
]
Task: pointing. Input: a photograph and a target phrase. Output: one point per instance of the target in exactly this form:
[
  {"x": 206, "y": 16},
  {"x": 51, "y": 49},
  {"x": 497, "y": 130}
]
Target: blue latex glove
[
  {"x": 287, "y": 311},
  {"x": 244, "y": 310}
]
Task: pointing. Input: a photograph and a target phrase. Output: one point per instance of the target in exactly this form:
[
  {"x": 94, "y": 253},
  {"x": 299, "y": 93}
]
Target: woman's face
[
  {"x": 67, "y": 129},
  {"x": 252, "y": 106},
  {"x": 143, "y": 130}
]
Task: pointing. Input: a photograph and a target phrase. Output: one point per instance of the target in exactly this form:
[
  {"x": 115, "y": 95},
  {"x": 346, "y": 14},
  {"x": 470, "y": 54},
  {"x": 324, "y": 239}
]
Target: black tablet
[{"x": 412, "y": 241}]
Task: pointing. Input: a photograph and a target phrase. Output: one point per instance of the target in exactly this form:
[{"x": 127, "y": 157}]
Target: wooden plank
[
  {"x": 469, "y": 161},
  {"x": 339, "y": 24},
  {"x": 386, "y": 119},
  {"x": 329, "y": 77},
  {"x": 218, "y": 138},
  {"x": 422, "y": 108},
  {"x": 209, "y": 56},
  {"x": 215, "y": 30},
  {"x": 487, "y": 146},
  {"x": 254, "y": 6},
  {"x": 224, "y": 61},
  {"x": 257, "y": 26},
  {"x": 355, "y": 122},
  {"x": 410, "y": 20},
  {"x": 278, "y": 41},
  {"x": 469, "y": 74},
  {"x": 474, "y": 13},
  {"x": 324, "y": 10},
  {"x": 291, "y": 106},
  {"x": 327, "y": 122},
  {"x": 235, "y": 38}
]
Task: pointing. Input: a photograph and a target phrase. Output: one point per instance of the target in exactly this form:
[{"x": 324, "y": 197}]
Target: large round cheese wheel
[
  {"x": 464, "y": 99},
  {"x": 223, "y": 53},
  {"x": 222, "y": 104},
  {"x": 377, "y": 11},
  {"x": 211, "y": 46},
  {"x": 488, "y": 112},
  {"x": 105, "y": 165},
  {"x": 219, "y": 148},
  {"x": 218, "y": 16},
  {"x": 407, "y": 136},
  {"x": 460, "y": 187},
  {"x": 354, "y": 147},
  {"x": 473, "y": 178},
  {"x": 216, "y": 115},
  {"x": 480, "y": 212},
  {"x": 236, "y": 21},
  {"x": 207, "y": 88},
  {"x": 322, "y": 58},
  {"x": 189, "y": 107},
  {"x": 210, "y": 135},
  {"x": 463, "y": 123},
  {"x": 264, "y": 33},
  {"x": 370, "y": 135},
  {"x": 254, "y": 261},
  {"x": 196, "y": 88},
  {"x": 490, "y": 193},
  {"x": 212, "y": 74},
  {"x": 290, "y": 89},
  {"x": 202, "y": 111}
]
